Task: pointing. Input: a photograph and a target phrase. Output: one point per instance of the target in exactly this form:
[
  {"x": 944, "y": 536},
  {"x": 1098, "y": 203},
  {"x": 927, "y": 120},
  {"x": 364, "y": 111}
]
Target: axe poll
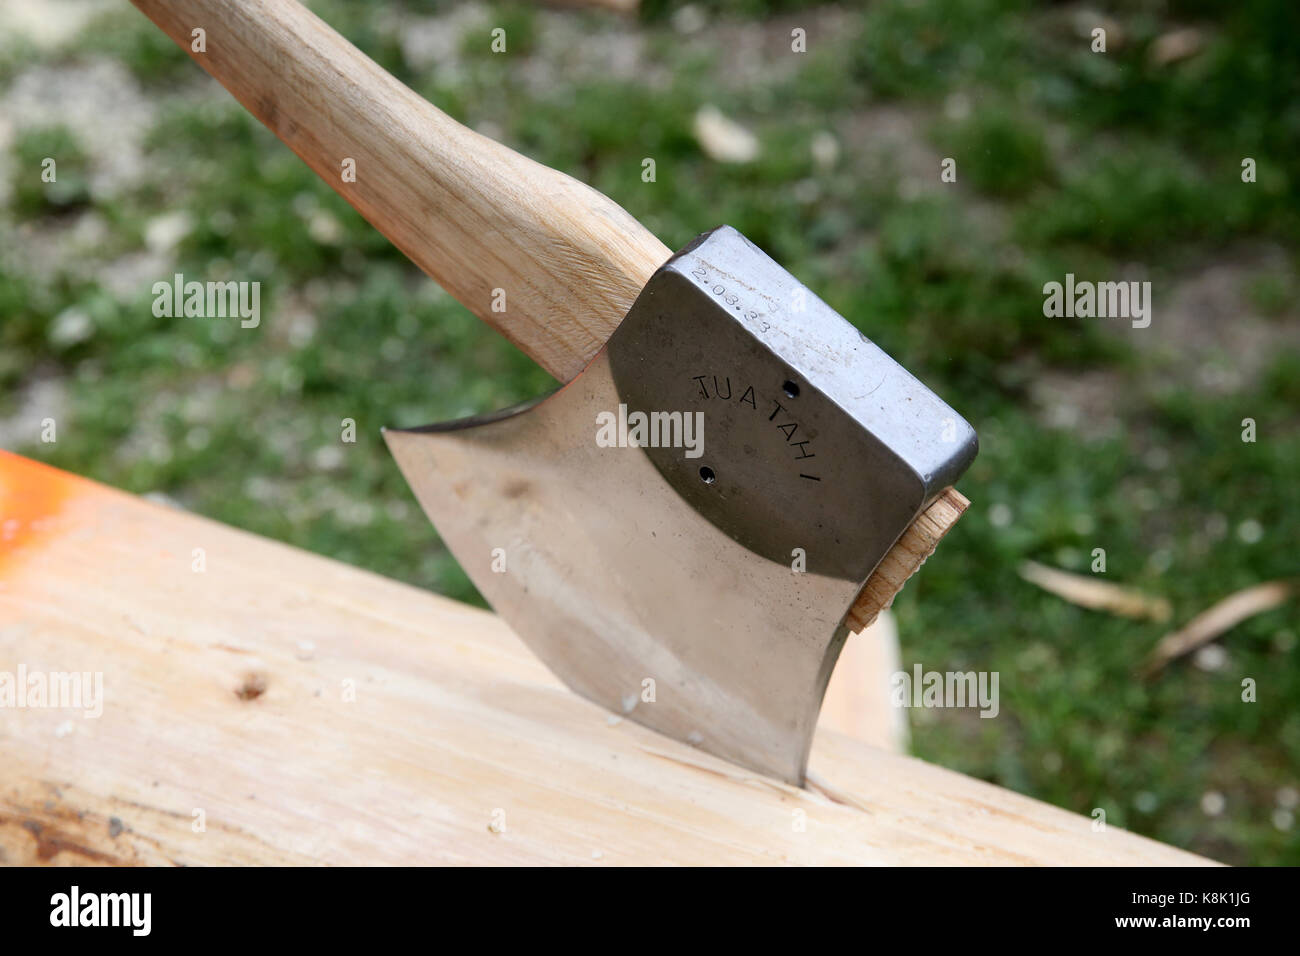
[{"x": 724, "y": 576}]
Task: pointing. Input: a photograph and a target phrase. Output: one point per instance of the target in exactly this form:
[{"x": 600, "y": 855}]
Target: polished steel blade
[{"x": 700, "y": 591}]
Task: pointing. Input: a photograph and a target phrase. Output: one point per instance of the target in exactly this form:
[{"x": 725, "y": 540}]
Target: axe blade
[{"x": 679, "y": 532}]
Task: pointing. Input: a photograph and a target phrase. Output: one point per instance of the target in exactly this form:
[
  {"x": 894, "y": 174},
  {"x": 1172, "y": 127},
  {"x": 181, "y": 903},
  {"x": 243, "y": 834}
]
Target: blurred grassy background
[{"x": 1093, "y": 434}]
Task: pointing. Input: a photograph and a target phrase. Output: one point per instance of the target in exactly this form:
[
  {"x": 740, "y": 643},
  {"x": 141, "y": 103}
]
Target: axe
[{"x": 732, "y": 478}]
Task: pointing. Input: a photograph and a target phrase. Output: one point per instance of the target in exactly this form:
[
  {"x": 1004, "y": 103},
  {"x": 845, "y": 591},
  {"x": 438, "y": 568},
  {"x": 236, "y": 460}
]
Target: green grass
[
  {"x": 1067, "y": 161},
  {"x": 62, "y": 186},
  {"x": 1002, "y": 152}
]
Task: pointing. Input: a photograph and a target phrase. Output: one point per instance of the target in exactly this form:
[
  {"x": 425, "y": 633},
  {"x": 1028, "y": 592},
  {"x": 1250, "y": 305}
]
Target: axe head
[{"x": 679, "y": 532}]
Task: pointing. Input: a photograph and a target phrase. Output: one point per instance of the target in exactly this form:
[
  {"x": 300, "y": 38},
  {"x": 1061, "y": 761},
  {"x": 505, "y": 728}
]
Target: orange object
[{"x": 32, "y": 496}]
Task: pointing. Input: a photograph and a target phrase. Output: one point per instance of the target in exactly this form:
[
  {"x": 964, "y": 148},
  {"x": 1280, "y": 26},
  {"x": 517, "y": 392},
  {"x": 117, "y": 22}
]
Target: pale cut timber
[
  {"x": 474, "y": 215},
  {"x": 858, "y": 697},
  {"x": 907, "y": 555},
  {"x": 227, "y": 662}
]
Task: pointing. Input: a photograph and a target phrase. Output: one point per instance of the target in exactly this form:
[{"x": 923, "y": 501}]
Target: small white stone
[
  {"x": 825, "y": 149},
  {"x": 1211, "y": 657},
  {"x": 324, "y": 227},
  {"x": 328, "y": 457},
  {"x": 302, "y": 329},
  {"x": 71, "y": 326},
  {"x": 164, "y": 233},
  {"x": 689, "y": 19},
  {"x": 957, "y": 107}
]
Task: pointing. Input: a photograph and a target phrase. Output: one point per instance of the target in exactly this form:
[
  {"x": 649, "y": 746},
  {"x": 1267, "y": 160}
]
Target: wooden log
[
  {"x": 304, "y": 711},
  {"x": 473, "y": 214}
]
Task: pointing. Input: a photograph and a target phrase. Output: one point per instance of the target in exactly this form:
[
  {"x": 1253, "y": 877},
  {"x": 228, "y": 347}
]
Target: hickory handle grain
[{"x": 473, "y": 214}]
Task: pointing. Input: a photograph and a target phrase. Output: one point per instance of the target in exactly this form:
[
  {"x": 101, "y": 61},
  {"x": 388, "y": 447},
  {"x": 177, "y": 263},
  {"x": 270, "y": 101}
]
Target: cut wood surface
[
  {"x": 857, "y": 700},
  {"x": 304, "y": 711},
  {"x": 473, "y": 214},
  {"x": 906, "y": 557}
]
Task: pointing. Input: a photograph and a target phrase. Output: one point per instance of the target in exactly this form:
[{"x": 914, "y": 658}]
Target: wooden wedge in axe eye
[{"x": 732, "y": 478}]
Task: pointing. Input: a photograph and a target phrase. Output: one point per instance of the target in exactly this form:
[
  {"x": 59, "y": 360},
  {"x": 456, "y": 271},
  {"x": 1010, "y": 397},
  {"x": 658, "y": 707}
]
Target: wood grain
[
  {"x": 857, "y": 700},
  {"x": 224, "y": 692},
  {"x": 905, "y": 557}
]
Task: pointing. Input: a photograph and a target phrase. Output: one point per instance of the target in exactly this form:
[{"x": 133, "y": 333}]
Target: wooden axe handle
[{"x": 473, "y": 214}]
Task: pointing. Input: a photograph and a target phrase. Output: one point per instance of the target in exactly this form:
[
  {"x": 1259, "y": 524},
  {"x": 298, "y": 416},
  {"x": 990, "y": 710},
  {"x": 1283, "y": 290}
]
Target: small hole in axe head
[
  {"x": 791, "y": 389},
  {"x": 706, "y": 473}
]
